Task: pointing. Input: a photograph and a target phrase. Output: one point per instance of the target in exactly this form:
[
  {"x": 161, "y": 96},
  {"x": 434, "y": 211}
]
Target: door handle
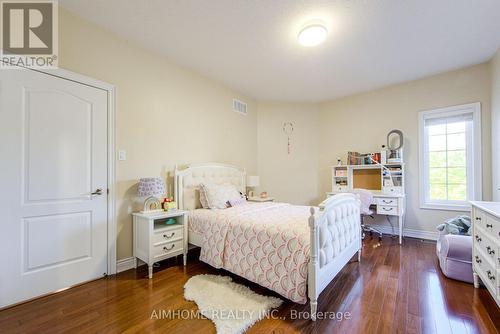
[{"x": 98, "y": 191}]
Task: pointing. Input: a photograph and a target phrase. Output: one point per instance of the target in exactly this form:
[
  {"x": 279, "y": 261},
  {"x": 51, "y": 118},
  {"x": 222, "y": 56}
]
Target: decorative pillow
[
  {"x": 237, "y": 201},
  {"x": 218, "y": 195},
  {"x": 458, "y": 225},
  {"x": 203, "y": 198}
]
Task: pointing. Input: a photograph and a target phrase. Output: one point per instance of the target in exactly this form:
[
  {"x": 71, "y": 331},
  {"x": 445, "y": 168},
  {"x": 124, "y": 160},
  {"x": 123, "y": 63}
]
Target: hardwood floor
[{"x": 395, "y": 289}]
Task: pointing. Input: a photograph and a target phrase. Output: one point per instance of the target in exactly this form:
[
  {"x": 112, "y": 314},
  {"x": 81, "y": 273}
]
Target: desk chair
[{"x": 366, "y": 198}]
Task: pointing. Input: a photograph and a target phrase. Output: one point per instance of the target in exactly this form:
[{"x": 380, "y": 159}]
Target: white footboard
[{"x": 335, "y": 239}]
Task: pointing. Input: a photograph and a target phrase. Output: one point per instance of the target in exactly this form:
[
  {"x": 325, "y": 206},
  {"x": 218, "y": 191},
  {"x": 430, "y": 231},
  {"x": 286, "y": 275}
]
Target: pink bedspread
[{"x": 267, "y": 243}]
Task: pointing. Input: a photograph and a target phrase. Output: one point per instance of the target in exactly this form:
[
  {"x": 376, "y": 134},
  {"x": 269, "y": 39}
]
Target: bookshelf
[
  {"x": 370, "y": 176},
  {"x": 340, "y": 178}
]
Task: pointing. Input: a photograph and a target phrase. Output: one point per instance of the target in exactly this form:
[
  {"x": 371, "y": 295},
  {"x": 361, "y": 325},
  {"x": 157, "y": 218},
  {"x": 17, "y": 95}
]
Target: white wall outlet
[{"x": 122, "y": 155}]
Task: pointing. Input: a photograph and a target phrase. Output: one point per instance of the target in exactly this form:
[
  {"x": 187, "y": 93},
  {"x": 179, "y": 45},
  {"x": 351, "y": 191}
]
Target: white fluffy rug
[{"x": 232, "y": 307}]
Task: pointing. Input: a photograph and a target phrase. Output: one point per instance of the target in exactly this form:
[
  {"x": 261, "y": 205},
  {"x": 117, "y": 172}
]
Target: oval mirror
[{"x": 394, "y": 140}]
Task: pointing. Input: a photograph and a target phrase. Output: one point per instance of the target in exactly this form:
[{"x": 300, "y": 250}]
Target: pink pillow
[{"x": 203, "y": 198}]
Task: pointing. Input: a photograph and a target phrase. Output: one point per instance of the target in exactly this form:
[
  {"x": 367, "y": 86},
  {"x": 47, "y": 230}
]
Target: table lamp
[
  {"x": 252, "y": 182},
  {"x": 151, "y": 187}
]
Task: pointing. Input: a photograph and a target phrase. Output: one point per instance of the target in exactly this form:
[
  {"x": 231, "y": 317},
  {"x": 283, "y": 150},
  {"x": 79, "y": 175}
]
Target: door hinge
[{"x": 107, "y": 191}]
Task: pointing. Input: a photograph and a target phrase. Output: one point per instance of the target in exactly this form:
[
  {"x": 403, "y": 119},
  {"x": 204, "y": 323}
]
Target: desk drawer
[
  {"x": 387, "y": 210},
  {"x": 340, "y": 189},
  {"x": 389, "y": 201}
]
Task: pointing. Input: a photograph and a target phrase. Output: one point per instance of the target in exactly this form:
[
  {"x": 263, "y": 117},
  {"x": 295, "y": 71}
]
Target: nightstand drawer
[
  {"x": 387, "y": 210},
  {"x": 167, "y": 248},
  {"x": 389, "y": 201},
  {"x": 167, "y": 235}
]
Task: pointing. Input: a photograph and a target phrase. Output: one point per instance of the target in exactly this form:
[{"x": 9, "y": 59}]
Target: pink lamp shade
[{"x": 151, "y": 186}]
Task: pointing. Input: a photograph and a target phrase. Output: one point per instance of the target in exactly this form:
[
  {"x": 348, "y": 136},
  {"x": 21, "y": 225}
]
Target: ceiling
[{"x": 251, "y": 45}]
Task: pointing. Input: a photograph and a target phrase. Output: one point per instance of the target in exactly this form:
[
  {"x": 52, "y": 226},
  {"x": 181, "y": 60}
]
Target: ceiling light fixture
[{"x": 312, "y": 34}]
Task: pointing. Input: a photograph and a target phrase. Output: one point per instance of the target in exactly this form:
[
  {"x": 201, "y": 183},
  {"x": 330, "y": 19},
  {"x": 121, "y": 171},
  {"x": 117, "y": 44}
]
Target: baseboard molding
[
  {"x": 420, "y": 234},
  {"x": 408, "y": 232},
  {"x": 125, "y": 264}
]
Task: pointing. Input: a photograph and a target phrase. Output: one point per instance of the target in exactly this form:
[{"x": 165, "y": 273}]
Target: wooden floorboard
[{"x": 395, "y": 289}]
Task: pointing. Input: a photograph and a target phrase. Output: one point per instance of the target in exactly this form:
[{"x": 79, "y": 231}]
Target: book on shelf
[{"x": 340, "y": 173}]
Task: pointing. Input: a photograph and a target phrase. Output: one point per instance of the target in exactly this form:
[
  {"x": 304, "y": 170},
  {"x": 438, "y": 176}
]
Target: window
[{"x": 450, "y": 157}]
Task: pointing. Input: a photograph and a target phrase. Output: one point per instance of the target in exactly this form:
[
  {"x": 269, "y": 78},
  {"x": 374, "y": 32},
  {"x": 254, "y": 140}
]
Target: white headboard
[{"x": 187, "y": 181}]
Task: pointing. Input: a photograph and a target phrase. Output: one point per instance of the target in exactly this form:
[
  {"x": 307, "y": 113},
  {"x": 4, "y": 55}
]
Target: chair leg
[
  {"x": 369, "y": 228},
  {"x": 372, "y": 230}
]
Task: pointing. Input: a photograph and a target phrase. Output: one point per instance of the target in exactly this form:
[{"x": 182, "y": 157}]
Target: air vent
[{"x": 239, "y": 107}]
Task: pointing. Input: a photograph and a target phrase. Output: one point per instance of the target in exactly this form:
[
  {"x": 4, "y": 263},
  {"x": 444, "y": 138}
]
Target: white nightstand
[
  {"x": 258, "y": 199},
  {"x": 155, "y": 241}
]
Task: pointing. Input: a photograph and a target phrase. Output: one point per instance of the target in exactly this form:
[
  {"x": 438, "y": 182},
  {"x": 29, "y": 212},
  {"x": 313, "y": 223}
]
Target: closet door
[{"x": 53, "y": 198}]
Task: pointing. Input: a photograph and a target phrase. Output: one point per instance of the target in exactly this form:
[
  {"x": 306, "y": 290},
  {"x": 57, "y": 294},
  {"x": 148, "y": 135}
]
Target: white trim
[
  {"x": 475, "y": 164},
  {"x": 111, "y": 91},
  {"x": 408, "y": 232},
  {"x": 126, "y": 264},
  {"x": 446, "y": 207}
]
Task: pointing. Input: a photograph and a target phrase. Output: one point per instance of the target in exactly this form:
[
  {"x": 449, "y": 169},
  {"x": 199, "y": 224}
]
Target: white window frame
[{"x": 474, "y": 166}]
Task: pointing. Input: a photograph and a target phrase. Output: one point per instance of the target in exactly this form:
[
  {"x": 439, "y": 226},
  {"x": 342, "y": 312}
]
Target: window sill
[{"x": 446, "y": 207}]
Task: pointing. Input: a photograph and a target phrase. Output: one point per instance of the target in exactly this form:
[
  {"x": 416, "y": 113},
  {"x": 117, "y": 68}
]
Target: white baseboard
[
  {"x": 125, "y": 264},
  {"x": 408, "y": 232},
  {"x": 420, "y": 234}
]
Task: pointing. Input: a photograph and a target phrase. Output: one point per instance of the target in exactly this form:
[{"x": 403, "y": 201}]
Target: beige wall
[
  {"x": 361, "y": 122},
  {"x": 169, "y": 115},
  {"x": 495, "y": 122},
  {"x": 293, "y": 177},
  {"x": 166, "y": 115}
]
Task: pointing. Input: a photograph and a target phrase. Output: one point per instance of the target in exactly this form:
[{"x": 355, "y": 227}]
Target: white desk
[{"x": 387, "y": 205}]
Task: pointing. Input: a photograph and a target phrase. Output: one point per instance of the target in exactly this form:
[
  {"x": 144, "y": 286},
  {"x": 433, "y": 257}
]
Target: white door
[{"x": 53, "y": 151}]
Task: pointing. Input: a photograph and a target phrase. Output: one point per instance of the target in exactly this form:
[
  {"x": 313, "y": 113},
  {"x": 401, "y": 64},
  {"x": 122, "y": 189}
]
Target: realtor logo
[{"x": 29, "y": 34}]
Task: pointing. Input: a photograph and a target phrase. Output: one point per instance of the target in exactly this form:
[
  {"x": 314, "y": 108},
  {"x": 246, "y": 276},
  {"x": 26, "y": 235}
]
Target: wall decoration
[
  {"x": 288, "y": 130},
  {"x": 395, "y": 146}
]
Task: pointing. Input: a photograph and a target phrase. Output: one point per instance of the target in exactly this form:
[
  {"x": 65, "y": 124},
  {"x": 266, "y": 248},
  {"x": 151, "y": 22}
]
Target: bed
[{"x": 295, "y": 251}]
